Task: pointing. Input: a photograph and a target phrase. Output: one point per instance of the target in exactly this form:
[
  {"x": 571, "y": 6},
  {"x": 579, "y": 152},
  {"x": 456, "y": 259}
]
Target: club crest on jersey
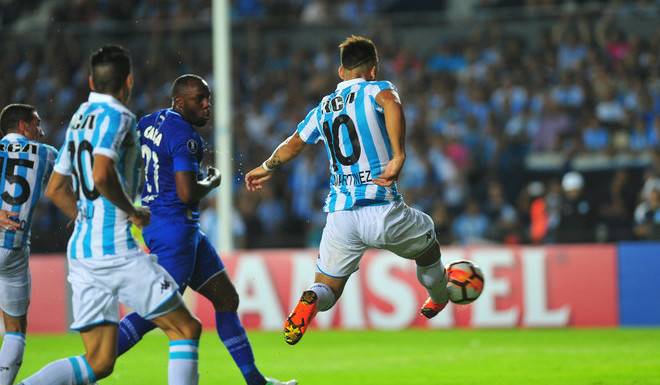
[{"x": 192, "y": 146}]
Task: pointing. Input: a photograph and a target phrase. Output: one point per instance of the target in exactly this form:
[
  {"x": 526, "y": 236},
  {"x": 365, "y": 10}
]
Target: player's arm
[
  {"x": 59, "y": 191},
  {"x": 287, "y": 150},
  {"x": 190, "y": 190},
  {"x": 395, "y": 123},
  {"x": 106, "y": 181}
]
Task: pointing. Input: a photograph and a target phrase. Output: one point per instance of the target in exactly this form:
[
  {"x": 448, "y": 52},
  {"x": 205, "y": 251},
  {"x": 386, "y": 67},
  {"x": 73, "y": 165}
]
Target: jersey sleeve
[
  {"x": 63, "y": 161},
  {"x": 308, "y": 129},
  {"x": 183, "y": 149},
  {"x": 114, "y": 128},
  {"x": 377, "y": 87}
]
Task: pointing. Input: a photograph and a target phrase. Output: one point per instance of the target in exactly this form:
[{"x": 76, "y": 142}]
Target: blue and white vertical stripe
[
  {"x": 351, "y": 184},
  {"x": 101, "y": 126},
  {"x": 25, "y": 164}
]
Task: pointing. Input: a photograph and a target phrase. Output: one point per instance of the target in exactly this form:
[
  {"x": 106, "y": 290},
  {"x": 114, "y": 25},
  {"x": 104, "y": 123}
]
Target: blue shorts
[{"x": 184, "y": 251}]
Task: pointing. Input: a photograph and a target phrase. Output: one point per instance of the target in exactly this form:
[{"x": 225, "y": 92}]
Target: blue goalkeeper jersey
[
  {"x": 168, "y": 144},
  {"x": 352, "y": 126}
]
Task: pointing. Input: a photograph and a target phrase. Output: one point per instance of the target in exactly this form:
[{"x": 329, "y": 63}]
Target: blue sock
[
  {"x": 131, "y": 329},
  {"x": 233, "y": 335}
]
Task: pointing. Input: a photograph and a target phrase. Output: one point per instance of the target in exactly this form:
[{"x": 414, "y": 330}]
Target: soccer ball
[{"x": 466, "y": 281}]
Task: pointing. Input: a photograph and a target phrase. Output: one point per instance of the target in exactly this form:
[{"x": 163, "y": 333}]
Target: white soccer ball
[{"x": 465, "y": 281}]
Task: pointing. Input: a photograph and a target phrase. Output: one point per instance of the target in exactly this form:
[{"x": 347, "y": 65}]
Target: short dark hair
[
  {"x": 358, "y": 51},
  {"x": 183, "y": 82},
  {"x": 14, "y": 113},
  {"x": 110, "y": 65}
]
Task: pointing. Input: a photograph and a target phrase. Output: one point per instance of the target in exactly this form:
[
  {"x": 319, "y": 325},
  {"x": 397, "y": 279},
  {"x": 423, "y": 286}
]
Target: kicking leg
[
  {"x": 432, "y": 275},
  {"x": 321, "y": 296},
  {"x": 13, "y": 346}
]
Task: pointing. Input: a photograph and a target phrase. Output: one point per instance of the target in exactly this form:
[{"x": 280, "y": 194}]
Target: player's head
[
  {"x": 359, "y": 58},
  {"x": 22, "y": 119},
  {"x": 110, "y": 72},
  {"x": 191, "y": 97}
]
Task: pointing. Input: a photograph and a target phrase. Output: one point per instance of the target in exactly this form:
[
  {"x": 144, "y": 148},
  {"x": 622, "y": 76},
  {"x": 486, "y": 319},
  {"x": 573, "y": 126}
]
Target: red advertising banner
[{"x": 556, "y": 286}]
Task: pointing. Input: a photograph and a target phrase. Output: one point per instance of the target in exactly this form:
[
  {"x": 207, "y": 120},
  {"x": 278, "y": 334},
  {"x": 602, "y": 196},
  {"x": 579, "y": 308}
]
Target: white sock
[
  {"x": 326, "y": 297},
  {"x": 182, "y": 369},
  {"x": 67, "y": 371},
  {"x": 11, "y": 357},
  {"x": 434, "y": 279}
]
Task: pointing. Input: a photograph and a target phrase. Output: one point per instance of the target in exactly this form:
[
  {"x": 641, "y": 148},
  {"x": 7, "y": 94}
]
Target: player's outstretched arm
[
  {"x": 106, "y": 181},
  {"x": 59, "y": 191},
  {"x": 395, "y": 123},
  {"x": 287, "y": 150}
]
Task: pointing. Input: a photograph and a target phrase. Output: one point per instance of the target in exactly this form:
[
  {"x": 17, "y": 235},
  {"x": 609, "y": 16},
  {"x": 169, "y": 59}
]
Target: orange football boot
[
  {"x": 300, "y": 318},
  {"x": 430, "y": 309}
]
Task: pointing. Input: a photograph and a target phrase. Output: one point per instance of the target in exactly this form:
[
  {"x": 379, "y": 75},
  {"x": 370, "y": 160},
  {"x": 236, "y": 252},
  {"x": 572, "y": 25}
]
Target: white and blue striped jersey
[
  {"x": 352, "y": 126},
  {"x": 25, "y": 166},
  {"x": 102, "y": 126}
]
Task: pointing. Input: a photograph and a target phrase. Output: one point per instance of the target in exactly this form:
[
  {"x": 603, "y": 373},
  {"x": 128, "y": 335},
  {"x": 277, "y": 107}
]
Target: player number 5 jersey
[
  {"x": 352, "y": 127},
  {"x": 25, "y": 166}
]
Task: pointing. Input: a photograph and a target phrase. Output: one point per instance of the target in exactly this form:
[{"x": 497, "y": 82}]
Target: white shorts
[
  {"x": 14, "y": 281},
  {"x": 135, "y": 280},
  {"x": 403, "y": 230}
]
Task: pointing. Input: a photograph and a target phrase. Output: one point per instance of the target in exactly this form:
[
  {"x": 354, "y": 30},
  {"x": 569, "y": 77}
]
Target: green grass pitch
[{"x": 435, "y": 357}]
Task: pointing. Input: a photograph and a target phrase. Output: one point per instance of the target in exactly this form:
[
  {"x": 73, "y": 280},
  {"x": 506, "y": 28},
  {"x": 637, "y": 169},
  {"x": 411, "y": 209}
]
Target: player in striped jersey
[
  {"x": 25, "y": 165},
  {"x": 100, "y": 158},
  {"x": 363, "y": 128}
]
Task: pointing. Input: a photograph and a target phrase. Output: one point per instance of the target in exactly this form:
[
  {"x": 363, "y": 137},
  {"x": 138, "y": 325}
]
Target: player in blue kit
[
  {"x": 25, "y": 166},
  {"x": 174, "y": 184}
]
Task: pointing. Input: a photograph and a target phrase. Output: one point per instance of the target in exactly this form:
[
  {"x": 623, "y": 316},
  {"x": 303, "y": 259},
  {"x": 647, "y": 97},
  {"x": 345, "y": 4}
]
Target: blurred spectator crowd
[{"x": 478, "y": 105}]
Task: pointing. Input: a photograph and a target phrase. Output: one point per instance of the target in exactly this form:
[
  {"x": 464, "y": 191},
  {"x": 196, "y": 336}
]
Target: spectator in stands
[
  {"x": 576, "y": 216},
  {"x": 472, "y": 225},
  {"x": 647, "y": 216}
]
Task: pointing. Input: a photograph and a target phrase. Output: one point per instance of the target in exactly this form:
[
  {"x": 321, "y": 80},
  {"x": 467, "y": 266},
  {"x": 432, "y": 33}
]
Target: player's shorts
[
  {"x": 14, "y": 281},
  {"x": 184, "y": 251},
  {"x": 403, "y": 230},
  {"x": 135, "y": 280}
]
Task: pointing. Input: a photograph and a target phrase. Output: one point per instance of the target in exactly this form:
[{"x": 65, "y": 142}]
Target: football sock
[
  {"x": 326, "y": 297},
  {"x": 11, "y": 356},
  {"x": 232, "y": 334},
  {"x": 434, "y": 279},
  {"x": 182, "y": 368},
  {"x": 131, "y": 329},
  {"x": 67, "y": 371}
]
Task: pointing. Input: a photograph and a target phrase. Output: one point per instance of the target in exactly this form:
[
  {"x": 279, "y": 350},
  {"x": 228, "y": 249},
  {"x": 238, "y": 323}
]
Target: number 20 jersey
[
  {"x": 352, "y": 127},
  {"x": 25, "y": 166},
  {"x": 100, "y": 126}
]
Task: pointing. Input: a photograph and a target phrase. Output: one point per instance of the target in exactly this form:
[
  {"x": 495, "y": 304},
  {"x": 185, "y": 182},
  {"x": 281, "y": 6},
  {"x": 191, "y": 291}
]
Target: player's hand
[
  {"x": 213, "y": 177},
  {"x": 141, "y": 217},
  {"x": 391, "y": 173},
  {"x": 8, "y": 220},
  {"x": 255, "y": 179}
]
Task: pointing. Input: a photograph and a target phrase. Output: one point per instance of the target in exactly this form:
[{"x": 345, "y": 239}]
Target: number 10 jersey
[
  {"x": 25, "y": 166},
  {"x": 100, "y": 126},
  {"x": 352, "y": 127}
]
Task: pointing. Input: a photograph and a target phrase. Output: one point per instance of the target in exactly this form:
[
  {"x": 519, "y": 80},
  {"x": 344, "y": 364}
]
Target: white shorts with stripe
[
  {"x": 135, "y": 280},
  {"x": 15, "y": 281},
  {"x": 403, "y": 230}
]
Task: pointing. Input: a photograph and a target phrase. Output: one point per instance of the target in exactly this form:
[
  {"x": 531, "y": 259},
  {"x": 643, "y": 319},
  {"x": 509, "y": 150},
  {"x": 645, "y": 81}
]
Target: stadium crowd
[{"x": 478, "y": 107}]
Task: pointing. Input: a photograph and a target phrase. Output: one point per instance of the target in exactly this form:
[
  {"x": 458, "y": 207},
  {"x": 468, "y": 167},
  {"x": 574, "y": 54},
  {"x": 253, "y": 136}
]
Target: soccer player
[
  {"x": 25, "y": 165},
  {"x": 100, "y": 158},
  {"x": 363, "y": 128},
  {"x": 174, "y": 184}
]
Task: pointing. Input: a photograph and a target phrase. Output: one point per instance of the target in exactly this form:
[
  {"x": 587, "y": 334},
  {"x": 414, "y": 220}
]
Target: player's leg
[
  {"x": 411, "y": 235},
  {"x": 14, "y": 300},
  {"x": 13, "y": 347},
  {"x": 340, "y": 252},
  {"x": 98, "y": 362}
]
